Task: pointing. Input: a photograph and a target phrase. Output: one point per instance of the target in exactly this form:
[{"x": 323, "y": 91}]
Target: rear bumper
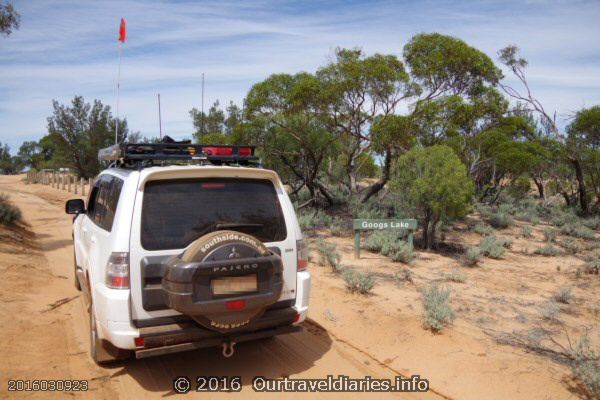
[
  {"x": 115, "y": 325},
  {"x": 164, "y": 339}
]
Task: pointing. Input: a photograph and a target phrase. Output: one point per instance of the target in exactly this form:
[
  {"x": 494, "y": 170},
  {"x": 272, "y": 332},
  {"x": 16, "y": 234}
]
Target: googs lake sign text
[{"x": 408, "y": 225}]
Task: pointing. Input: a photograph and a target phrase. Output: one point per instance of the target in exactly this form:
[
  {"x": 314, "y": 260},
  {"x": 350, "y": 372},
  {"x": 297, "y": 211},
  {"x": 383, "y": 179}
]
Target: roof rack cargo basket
[{"x": 217, "y": 154}]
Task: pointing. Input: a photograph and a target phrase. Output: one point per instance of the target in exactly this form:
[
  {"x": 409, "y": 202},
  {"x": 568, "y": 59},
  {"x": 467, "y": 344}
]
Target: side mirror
[{"x": 75, "y": 206}]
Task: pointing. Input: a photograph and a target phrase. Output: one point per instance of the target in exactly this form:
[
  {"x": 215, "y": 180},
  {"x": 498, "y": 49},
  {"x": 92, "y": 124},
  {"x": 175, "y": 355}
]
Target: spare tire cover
[{"x": 223, "y": 254}]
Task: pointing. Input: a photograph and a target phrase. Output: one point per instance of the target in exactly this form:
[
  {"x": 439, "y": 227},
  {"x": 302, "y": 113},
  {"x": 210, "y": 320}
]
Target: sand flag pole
[{"x": 122, "y": 38}]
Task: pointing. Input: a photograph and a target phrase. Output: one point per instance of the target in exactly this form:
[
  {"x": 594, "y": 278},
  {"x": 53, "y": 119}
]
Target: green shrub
[
  {"x": 456, "y": 276},
  {"x": 500, "y": 220},
  {"x": 547, "y": 250},
  {"x": 564, "y": 295},
  {"x": 576, "y": 230},
  {"x": 391, "y": 245},
  {"x": 484, "y": 210},
  {"x": 494, "y": 247},
  {"x": 549, "y": 310},
  {"x": 549, "y": 234},
  {"x": 329, "y": 255},
  {"x": 361, "y": 282},
  {"x": 526, "y": 231},
  {"x": 401, "y": 252},
  {"x": 519, "y": 187},
  {"x": 310, "y": 221},
  {"x": 9, "y": 213},
  {"x": 339, "y": 227},
  {"x": 506, "y": 208},
  {"x": 592, "y": 222},
  {"x": 560, "y": 216},
  {"x": 472, "y": 256},
  {"x": 592, "y": 265},
  {"x": 586, "y": 366},
  {"x": 570, "y": 245},
  {"x": 376, "y": 240},
  {"x": 404, "y": 275},
  {"x": 436, "y": 302},
  {"x": 483, "y": 229}
]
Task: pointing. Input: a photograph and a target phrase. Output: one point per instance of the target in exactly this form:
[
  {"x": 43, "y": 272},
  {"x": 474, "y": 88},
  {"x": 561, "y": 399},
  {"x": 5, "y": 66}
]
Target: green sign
[{"x": 408, "y": 225}]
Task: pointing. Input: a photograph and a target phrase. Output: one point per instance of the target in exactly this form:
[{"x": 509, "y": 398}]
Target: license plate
[{"x": 232, "y": 285}]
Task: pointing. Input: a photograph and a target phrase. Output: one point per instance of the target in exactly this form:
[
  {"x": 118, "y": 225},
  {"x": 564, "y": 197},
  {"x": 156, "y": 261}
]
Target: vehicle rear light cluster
[
  {"x": 302, "y": 252},
  {"x": 227, "y": 151},
  {"x": 117, "y": 271}
]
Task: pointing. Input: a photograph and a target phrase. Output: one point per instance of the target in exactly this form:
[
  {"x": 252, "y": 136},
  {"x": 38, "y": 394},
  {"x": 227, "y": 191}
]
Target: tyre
[
  {"x": 101, "y": 351},
  {"x": 225, "y": 281}
]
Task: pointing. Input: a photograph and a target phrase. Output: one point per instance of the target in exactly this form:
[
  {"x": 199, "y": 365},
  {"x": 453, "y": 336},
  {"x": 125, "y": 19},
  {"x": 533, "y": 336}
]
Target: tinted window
[
  {"x": 177, "y": 212},
  {"x": 104, "y": 200}
]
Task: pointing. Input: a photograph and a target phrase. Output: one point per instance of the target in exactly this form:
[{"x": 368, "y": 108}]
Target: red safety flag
[{"x": 123, "y": 31}]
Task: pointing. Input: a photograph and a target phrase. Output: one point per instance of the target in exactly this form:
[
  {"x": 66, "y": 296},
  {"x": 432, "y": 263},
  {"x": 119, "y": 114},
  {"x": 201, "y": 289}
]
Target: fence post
[
  {"x": 69, "y": 181},
  {"x": 75, "y": 183},
  {"x": 82, "y": 187},
  {"x": 91, "y": 184}
]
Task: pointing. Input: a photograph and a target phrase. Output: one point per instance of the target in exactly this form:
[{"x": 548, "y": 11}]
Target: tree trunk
[
  {"x": 426, "y": 229},
  {"x": 580, "y": 186},
  {"x": 325, "y": 193},
  {"x": 540, "y": 186},
  {"x": 377, "y": 186}
]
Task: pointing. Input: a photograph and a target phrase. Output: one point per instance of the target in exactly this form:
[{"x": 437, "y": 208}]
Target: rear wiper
[{"x": 238, "y": 225}]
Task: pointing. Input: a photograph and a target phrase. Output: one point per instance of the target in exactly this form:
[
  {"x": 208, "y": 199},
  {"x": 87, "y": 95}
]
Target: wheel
[
  {"x": 234, "y": 276},
  {"x": 103, "y": 352},
  {"x": 77, "y": 283}
]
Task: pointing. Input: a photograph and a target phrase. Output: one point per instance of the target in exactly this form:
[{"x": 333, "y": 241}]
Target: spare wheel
[{"x": 225, "y": 280}]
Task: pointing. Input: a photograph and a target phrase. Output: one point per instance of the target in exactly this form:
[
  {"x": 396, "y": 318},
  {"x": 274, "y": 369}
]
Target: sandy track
[{"x": 43, "y": 343}]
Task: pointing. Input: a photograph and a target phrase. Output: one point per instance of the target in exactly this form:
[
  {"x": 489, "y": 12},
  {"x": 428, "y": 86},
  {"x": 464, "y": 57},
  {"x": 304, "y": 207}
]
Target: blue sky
[{"x": 65, "y": 48}]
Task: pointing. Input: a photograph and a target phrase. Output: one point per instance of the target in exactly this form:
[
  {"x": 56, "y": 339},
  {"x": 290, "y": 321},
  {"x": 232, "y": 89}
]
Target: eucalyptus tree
[
  {"x": 285, "y": 117},
  {"x": 77, "y": 131},
  {"x": 358, "y": 90},
  {"x": 583, "y": 144},
  {"x": 9, "y": 18}
]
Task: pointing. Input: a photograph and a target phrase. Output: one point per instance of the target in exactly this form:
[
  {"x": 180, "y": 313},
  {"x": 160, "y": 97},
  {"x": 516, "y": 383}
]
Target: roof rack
[{"x": 140, "y": 153}]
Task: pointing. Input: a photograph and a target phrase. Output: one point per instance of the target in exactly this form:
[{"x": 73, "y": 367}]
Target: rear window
[{"x": 177, "y": 212}]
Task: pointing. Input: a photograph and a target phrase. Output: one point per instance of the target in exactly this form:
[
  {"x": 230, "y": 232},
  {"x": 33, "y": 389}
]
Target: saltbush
[
  {"x": 549, "y": 234},
  {"x": 329, "y": 255},
  {"x": 9, "y": 213},
  {"x": 436, "y": 302},
  {"x": 577, "y": 230},
  {"x": 527, "y": 231},
  {"x": 586, "y": 366},
  {"x": 472, "y": 256},
  {"x": 500, "y": 220},
  {"x": 547, "y": 250},
  {"x": 494, "y": 247},
  {"x": 564, "y": 295},
  {"x": 456, "y": 276},
  {"x": 358, "y": 282},
  {"x": 483, "y": 229}
]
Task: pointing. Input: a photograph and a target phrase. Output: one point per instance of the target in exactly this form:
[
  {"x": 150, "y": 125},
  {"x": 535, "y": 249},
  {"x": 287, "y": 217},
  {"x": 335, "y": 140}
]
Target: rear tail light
[
  {"x": 117, "y": 271},
  {"x": 302, "y": 252},
  {"x": 139, "y": 342}
]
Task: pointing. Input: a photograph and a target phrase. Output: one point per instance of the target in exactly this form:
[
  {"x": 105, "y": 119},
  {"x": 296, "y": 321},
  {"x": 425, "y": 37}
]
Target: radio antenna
[{"x": 159, "y": 118}]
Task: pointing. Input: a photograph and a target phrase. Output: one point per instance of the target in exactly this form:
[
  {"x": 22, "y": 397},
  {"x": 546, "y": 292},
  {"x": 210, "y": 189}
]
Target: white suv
[{"x": 180, "y": 257}]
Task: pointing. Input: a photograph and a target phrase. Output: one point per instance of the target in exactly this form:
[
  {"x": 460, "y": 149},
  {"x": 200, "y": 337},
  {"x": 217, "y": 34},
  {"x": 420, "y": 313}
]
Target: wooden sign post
[{"x": 407, "y": 225}]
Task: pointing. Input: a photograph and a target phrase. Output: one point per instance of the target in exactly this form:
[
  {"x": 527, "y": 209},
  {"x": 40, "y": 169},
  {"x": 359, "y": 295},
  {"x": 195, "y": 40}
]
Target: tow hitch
[{"x": 228, "y": 348}]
